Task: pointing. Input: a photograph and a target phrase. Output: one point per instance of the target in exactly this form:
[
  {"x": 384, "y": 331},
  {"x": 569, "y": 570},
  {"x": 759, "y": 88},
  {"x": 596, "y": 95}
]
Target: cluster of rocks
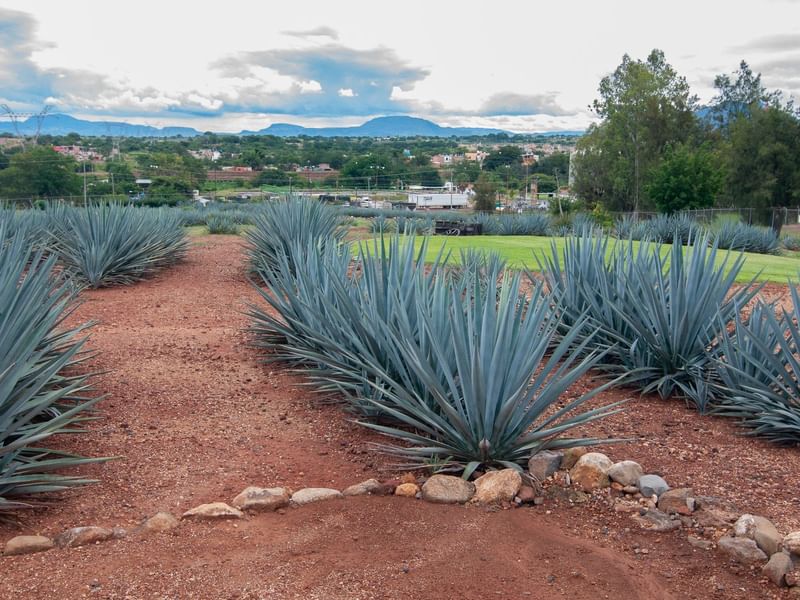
[{"x": 746, "y": 539}]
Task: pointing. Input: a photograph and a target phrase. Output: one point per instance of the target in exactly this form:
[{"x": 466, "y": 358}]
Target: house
[
  {"x": 238, "y": 169},
  {"x": 79, "y": 153}
]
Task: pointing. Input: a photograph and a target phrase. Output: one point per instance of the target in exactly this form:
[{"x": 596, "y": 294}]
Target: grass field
[{"x": 519, "y": 251}]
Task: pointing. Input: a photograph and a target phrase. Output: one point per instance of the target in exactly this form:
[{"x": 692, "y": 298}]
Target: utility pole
[
  {"x": 84, "y": 183},
  {"x": 113, "y": 189}
]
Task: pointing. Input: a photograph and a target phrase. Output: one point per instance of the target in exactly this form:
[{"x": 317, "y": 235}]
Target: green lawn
[{"x": 519, "y": 251}]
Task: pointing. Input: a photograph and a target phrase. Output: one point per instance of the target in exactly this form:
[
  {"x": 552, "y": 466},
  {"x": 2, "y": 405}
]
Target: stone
[
  {"x": 309, "y": 495},
  {"x": 447, "y": 489},
  {"x": 630, "y": 489},
  {"x": 792, "y": 579},
  {"x": 626, "y": 506},
  {"x": 742, "y": 550},
  {"x": 655, "y": 520},
  {"x": 626, "y": 473},
  {"x": 215, "y": 510},
  {"x": 715, "y": 512},
  {"x": 119, "y": 533},
  {"x": 591, "y": 471},
  {"x": 699, "y": 543},
  {"x": 679, "y": 501},
  {"x": 365, "y": 488},
  {"x": 543, "y": 464},
  {"x": 496, "y": 487},
  {"x": 526, "y": 495},
  {"x": 407, "y": 490},
  {"x": 80, "y": 536},
  {"x": 408, "y": 478},
  {"x": 652, "y": 485},
  {"x": 779, "y": 566},
  {"x": 571, "y": 456},
  {"x": 792, "y": 542},
  {"x": 27, "y": 544},
  {"x": 761, "y": 530},
  {"x": 161, "y": 521},
  {"x": 261, "y": 499}
]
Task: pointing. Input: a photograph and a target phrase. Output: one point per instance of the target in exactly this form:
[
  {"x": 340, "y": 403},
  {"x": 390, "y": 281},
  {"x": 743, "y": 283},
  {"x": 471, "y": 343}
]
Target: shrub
[
  {"x": 40, "y": 394},
  {"x": 110, "y": 245}
]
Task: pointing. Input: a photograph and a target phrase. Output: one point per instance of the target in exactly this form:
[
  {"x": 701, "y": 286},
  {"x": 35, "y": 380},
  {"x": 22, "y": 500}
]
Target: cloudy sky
[{"x": 231, "y": 65}]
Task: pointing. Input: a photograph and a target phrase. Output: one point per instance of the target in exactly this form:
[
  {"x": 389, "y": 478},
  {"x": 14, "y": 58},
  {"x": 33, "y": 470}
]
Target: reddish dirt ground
[{"x": 195, "y": 418}]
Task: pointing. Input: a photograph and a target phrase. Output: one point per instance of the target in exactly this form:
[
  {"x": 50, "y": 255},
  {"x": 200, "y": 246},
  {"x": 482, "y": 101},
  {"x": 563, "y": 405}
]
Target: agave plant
[
  {"x": 667, "y": 229},
  {"x": 279, "y": 226},
  {"x": 222, "y": 224},
  {"x": 108, "y": 245},
  {"x": 747, "y": 238},
  {"x": 38, "y": 398},
  {"x": 758, "y": 363},
  {"x": 791, "y": 243}
]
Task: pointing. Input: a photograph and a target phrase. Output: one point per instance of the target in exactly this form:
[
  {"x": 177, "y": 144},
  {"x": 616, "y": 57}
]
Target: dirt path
[{"x": 196, "y": 418}]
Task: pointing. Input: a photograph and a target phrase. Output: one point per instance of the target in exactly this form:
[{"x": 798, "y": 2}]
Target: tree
[
  {"x": 503, "y": 156},
  {"x": 687, "y": 178},
  {"x": 485, "y": 193},
  {"x": 736, "y": 97},
  {"x": 39, "y": 173},
  {"x": 644, "y": 107}
]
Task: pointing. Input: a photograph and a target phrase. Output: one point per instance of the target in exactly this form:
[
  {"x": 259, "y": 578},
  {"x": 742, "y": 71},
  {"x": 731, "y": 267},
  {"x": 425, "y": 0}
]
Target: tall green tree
[
  {"x": 39, "y": 173},
  {"x": 644, "y": 107},
  {"x": 688, "y": 178},
  {"x": 485, "y": 193}
]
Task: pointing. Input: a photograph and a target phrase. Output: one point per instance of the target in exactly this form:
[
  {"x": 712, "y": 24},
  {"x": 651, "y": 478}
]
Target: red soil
[{"x": 195, "y": 418}]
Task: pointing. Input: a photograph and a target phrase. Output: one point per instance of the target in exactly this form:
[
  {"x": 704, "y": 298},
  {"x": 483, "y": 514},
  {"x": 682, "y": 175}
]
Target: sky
[{"x": 233, "y": 65}]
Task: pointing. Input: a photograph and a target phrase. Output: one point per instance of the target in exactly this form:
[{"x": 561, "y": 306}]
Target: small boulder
[
  {"x": 543, "y": 464},
  {"x": 497, "y": 486},
  {"x": 526, "y": 495},
  {"x": 655, "y": 520},
  {"x": 407, "y": 490},
  {"x": 761, "y": 530},
  {"x": 214, "y": 510},
  {"x": 161, "y": 521},
  {"x": 571, "y": 456},
  {"x": 309, "y": 495},
  {"x": 591, "y": 471},
  {"x": 779, "y": 566},
  {"x": 626, "y": 473},
  {"x": 447, "y": 489},
  {"x": 742, "y": 550},
  {"x": 792, "y": 543},
  {"x": 261, "y": 499},
  {"x": 679, "y": 501},
  {"x": 80, "y": 536},
  {"x": 700, "y": 543},
  {"x": 365, "y": 488},
  {"x": 27, "y": 544},
  {"x": 652, "y": 485}
]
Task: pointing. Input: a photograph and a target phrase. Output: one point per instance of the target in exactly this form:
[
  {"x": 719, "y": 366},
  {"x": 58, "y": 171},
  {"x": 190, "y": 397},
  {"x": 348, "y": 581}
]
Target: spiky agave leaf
[{"x": 110, "y": 245}]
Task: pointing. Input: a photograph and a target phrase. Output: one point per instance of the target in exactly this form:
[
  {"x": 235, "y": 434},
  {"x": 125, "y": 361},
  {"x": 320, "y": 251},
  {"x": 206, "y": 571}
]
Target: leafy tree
[
  {"x": 644, "y": 107},
  {"x": 485, "y": 193},
  {"x": 686, "y": 179},
  {"x": 737, "y": 96},
  {"x": 39, "y": 173},
  {"x": 503, "y": 156}
]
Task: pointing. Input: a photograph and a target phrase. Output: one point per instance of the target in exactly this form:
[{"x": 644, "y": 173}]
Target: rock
[
  {"x": 497, "y": 486},
  {"x": 119, "y": 533},
  {"x": 655, "y": 520},
  {"x": 761, "y": 530},
  {"x": 652, "y": 485},
  {"x": 408, "y": 478},
  {"x": 447, "y": 489},
  {"x": 779, "y": 566},
  {"x": 626, "y": 473},
  {"x": 543, "y": 464},
  {"x": 679, "y": 501},
  {"x": 80, "y": 536},
  {"x": 215, "y": 510},
  {"x": 700, "y": 543},
  {"x": 27, "y": 544},
  {"x": 407, "y": 490},
  {"x": 365, "y": 488},
  {"x": 591, "y": 471},
  {"x": 526, "y": 495},
  {"x": 571, "y": 456},
  {"x": 792, "y": 542},
  {"x": 626, "y": 506},
  {"x": 792, "y": 579},
  {"x": 742, "y": 550},
  {"x": 161, "y": 521},
  {"x": 630, "y": 489},
  {"x": 715, "y": 512},
  {"x": 309, "y": 495},
  {"x": 262, "y": 499}
]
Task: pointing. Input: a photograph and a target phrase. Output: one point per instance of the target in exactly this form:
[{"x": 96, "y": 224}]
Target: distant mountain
[
  {"x": 399, "y": 126},
  {"x": 60, "y": 124}
]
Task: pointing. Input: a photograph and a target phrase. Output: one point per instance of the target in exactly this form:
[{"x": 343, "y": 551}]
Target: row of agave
[
  {"x": 452, "y": 361},
  {"x": 464, "y": 369},
  {"x": 46, "y": 258}
]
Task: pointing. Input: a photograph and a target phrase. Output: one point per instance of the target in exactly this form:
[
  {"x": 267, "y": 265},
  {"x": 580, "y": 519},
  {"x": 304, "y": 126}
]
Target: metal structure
[{"x": 17, "y": 117}]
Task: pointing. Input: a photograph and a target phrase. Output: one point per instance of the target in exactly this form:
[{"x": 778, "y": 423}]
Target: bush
[
  {"x": 40, "y": 394},
  {"x": 110, "y": 245}
]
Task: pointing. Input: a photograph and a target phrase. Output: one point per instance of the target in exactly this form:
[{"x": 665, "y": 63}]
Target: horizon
[{"x": 524, "y": 69}]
